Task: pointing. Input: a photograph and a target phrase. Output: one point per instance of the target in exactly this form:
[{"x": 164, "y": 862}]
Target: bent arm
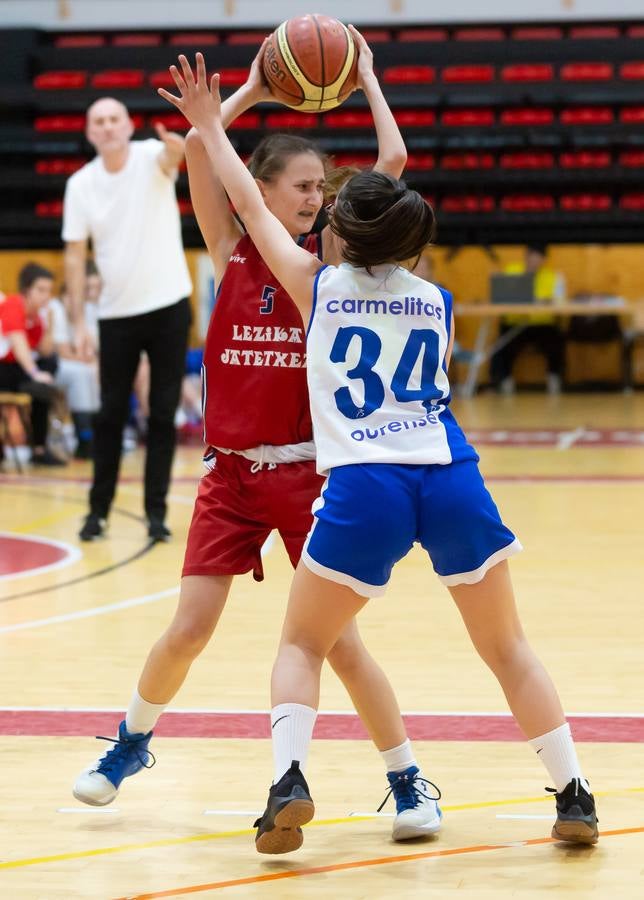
[{"x": 22, "y": 352}]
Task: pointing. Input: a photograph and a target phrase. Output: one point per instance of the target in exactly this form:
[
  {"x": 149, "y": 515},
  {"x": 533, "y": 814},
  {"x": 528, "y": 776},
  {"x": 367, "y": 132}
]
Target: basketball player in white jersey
[{"x": 398, "y": 470}]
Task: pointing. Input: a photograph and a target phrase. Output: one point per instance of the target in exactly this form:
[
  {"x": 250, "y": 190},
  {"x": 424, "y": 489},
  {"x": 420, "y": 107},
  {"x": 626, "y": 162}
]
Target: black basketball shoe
[
  {"x": 289, "y": 806},
  {"x": 576, "y": 817}
]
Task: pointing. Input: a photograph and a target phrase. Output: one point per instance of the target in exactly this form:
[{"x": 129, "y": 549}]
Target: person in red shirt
[
  {"x": 260, "y": 450},
  {"x": 24, "y": 335}
]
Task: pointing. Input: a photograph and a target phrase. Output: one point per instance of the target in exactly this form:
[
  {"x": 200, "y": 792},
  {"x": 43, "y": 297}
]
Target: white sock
[
  {"x": 399, "y": 758},
  {"x": 291, "y": 730},
  {"x": 142, "y": 716},
  {"x": 556, "y": 751}
]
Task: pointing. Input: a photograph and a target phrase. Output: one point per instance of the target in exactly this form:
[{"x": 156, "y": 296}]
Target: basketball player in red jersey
[{"x": 260, "y": 453}]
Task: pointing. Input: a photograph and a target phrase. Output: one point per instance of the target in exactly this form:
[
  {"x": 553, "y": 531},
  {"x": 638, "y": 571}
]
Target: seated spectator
[
  {"x": 77, "y": 373},
  {"x": 27, "y": 363},
  {"x": 542, "y": 332}
]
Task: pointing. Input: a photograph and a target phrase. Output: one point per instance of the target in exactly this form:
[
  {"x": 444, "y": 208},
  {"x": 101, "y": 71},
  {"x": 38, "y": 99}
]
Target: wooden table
[{"x": 489, "y": 313}]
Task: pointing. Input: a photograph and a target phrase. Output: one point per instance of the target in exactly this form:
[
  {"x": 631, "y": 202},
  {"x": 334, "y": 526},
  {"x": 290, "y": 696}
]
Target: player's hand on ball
[
  {"x": 365, "y": 57},
  {"x": 256, "y": 81},
  {"x": 200, "y": 104}
]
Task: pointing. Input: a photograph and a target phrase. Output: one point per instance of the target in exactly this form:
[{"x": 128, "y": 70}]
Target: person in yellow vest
[{"x": 542, "y": 333}]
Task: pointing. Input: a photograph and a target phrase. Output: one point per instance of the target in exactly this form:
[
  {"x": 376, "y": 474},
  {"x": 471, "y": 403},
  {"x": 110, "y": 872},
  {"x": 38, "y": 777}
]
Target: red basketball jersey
[{"x": 254, "y": 375}]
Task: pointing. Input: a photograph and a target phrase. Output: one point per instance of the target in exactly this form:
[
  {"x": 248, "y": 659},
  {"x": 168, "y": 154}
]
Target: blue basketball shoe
[
  {"x": 417, "y": 813},
  {"x": 100, "y": 784}
]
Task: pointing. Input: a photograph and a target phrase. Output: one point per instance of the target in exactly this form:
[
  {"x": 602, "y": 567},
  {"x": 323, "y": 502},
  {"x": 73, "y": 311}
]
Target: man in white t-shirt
[{"x": 124, "y": 201}]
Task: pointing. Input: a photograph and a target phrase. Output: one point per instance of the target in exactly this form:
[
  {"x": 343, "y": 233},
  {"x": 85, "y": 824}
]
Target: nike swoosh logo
[
  {"x": 538, "y": 751},
  {"x": 279, "y": 720}
]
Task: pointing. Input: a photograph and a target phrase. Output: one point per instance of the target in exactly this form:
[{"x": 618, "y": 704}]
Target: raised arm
[
  {"x": 294, "y": 267},
  {"x": 218, "y": 226},
  {"x": 392, "y": 153}
]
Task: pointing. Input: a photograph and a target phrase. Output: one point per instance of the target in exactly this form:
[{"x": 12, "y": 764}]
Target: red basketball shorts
[{"x": 236, "y": 510}]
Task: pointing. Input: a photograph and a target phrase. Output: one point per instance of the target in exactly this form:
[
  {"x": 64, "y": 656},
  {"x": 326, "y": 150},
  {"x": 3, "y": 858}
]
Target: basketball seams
[{"x": 322, "y": 60}]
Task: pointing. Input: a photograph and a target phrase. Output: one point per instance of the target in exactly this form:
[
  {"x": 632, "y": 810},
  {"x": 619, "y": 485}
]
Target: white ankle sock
[
  {"x": 399, "y": 758},
  {"x": 291, "y": 730},
  {"x": 142, "y": 716},
  {"x": 556, "y": 751}
]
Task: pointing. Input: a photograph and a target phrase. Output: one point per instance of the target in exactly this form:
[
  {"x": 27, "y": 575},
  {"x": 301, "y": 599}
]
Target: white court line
[
  {"x": 503, "y": 816},
  {"x": 73, "y": 554},
  {"x": 93, "y": 810},
  {"x": 567, "y": 438},
  {"x": 88, "y": 613},
  {"x": 233, "y": 812}
]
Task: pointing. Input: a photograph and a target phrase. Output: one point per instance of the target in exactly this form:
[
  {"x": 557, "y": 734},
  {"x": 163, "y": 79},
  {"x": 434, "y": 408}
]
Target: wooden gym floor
[{"x": 76, "y": 622}]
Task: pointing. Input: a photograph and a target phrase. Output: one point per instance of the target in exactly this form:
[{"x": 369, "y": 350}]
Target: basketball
[{"x": 310, "y": 63}]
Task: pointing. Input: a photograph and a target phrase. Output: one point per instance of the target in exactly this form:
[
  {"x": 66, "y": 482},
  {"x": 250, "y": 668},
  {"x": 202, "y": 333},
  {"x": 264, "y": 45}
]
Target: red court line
[
  {"x": 362, "y": 864},
  {"x": 330, "y": 726}
]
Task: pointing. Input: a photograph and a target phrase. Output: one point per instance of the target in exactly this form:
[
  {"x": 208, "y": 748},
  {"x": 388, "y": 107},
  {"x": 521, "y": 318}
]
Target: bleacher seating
[{"x": 482, "y": 108}]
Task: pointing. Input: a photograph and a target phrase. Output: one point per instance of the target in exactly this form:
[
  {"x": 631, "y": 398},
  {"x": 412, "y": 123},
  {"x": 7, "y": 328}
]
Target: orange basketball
[{"x": 311, "y": 63}]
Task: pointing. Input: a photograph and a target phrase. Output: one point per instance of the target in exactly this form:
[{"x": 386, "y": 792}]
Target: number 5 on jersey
[{"x": 268, "y": 295}]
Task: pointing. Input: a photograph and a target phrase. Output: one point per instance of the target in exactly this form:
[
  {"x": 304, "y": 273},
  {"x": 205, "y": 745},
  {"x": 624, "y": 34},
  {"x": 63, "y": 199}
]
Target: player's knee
[{"x": 188, "y": 636}]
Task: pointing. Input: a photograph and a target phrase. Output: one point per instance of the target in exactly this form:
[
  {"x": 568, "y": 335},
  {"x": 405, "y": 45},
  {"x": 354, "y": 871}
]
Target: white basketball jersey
[{"x": 376, "y": 369}]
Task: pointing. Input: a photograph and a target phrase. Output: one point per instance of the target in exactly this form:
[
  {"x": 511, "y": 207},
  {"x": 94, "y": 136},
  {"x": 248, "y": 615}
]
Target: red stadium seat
[
  {"x": 137, "y": 40},
  {"x": 632, "y": 70},
  {"x": 585, "y": 159},
  {"x": 585, "y": 202},
  {"x": 349, "y": 119},
  {"x": 586, "y": 71},
  {"x": 527, "y": 159},
  {"x": 60, "y": 81},
  {"x": 528, "y": 203},
  {"x": 414, "y": 118},
  {"x": 65, "y": 41},
  {"x": 479, "y": 34},
  {"x": 291, "y": 120},
  {"x": 409, "y": 75},
  {"x": 56, "y": 166},
  {"x": 118, "y": 79},
  {"x": 587, "y": 115},
  {"x": 465, "y": 117},
  {"x": 172, "y": 121},
  {"x": 633, "y": 159},
  {"x": 247, "y": 121},
  {"x": 467, "y": 161},
  {"x": 634, "y": 200},
  {"x": 420, "y": 161},
  {"x": 49, "y": 209},
  {"x": 376, "y": 35},
  {"x": 467, "y": 74},
  {"x": 60, "y": 123},
  {"x": 537, "y": 33},
  {"x": 465, "y": 203},
  {"x": 528, "y": 115},
  {"x": 245, "y": 37},
  {"x": 632, "y": 114},
  {"x": 410, "y": 35},
  {"x": 528, "y": 72},
  {"x": 361, "y": 160},
  {"x": 194, "y": 39},
  {"x": 594, "y": 32},
  {"x": 163, "y": 79},
  {"x": 635, "y": 31}
]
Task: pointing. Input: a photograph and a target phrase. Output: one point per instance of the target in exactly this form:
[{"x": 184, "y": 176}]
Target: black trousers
[
  {"x": 547, "y": 339},
  {"x": 163, "y": 335},
  {"x": 14, "y": 378}
]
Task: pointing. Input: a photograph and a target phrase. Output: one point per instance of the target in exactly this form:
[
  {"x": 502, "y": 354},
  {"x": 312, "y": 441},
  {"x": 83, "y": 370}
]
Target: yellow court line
[
  {"x": 362, "y": 864},
  {"x": 45, "y": 521},
  {"x": 214, "y": 836}
]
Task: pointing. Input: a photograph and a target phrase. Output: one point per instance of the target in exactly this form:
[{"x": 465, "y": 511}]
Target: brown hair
[
  {"x": 273, "y": 152},
  {"x": 381, "y": 220},
  {"x": 335, "y": 179}
]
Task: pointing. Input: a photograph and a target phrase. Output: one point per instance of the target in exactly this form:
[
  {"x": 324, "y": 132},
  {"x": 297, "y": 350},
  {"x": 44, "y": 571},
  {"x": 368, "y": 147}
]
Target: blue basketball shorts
[{"x": 368, "y": 516}]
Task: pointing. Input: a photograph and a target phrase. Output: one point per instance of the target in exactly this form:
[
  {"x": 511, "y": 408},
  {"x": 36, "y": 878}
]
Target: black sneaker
[
  {"x": 158, "y": 531},
  {"x": 289, "y": 806},
  {"x": 93, "y": 527},
  {"x": 47, "y": 458},
  {"x": 576, "y": 817}
]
